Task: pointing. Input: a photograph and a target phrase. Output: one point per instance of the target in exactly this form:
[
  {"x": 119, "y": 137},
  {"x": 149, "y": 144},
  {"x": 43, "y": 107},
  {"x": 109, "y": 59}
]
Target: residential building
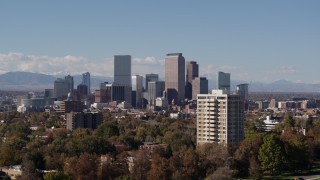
[
  {"x": 273, "y": 103},
  {"x": 68, "y": 106},
  {"x": 89, "y": 120},
  {"x": 220, "y": 117},
  {"x": 175, "y": 77},
  {"x": 262, "y": 105}
]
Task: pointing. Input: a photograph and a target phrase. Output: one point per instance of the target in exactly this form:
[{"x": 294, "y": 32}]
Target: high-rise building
[
  {"x": 69, "y": 80},
  {"x": 192, "y": 72},
  {"x": 137, "y": 88},
  {"x": 86, "y": 81},
  {"x": 243, "y": 91},
  {"x": 220, "y": 118},
  {"x": 122, "y": 75},
  {"x": 175, "y": 77},
  {"x": 151, "y": 77},
  {"x": 112, "y": 92},
  {"x": 82, "y": 91},
  {"x": 224, "y": 81},
  {"x": 199, "y": 86},
  {"x": 61, "y": 89},
  {"x": 122, "y": 69},
  {"x": 155, "y": 89}
]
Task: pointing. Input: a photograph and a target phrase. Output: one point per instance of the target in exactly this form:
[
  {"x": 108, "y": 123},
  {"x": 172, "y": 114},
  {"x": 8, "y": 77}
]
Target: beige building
[
  {"x": 175, "y": 77},
  {"x": 220, "y": 118},
  {"x": 192, "y": 69}
]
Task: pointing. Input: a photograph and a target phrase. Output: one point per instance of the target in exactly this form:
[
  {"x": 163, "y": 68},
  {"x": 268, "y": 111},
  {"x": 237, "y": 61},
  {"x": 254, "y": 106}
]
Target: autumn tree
[
  {"x": 159, "y": 168},
  {"x": 83, "y": 167},
  {"x": 141, "y": 165}
]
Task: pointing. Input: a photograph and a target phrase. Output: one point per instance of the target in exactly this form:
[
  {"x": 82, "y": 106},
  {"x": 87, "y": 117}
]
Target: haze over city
[{"x": 254, "y": 41}]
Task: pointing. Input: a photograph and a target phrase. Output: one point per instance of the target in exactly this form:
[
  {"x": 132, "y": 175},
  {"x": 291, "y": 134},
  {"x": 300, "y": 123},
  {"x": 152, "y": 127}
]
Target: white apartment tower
[{"x": 220, "y": 117}]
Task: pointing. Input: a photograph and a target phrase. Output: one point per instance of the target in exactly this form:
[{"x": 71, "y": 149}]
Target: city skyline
[{"x": 254, "y": 41}]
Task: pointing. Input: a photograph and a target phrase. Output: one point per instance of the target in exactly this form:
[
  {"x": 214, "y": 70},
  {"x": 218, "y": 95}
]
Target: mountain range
[{"x": 28, "y": 81}]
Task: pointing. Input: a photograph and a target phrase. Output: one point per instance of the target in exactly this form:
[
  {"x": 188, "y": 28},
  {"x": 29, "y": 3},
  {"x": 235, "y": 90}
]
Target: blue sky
[{"x": 253, "y": 40}]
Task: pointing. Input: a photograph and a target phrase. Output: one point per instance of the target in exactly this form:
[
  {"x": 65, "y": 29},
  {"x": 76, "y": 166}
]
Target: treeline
[{"x": 76, "y": 154}]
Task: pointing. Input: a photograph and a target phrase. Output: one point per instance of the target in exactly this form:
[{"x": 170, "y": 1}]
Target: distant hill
[{"x": 27, "y": 81}]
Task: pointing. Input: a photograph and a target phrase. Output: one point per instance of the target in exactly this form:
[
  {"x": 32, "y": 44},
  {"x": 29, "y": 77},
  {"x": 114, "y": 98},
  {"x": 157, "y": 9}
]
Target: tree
[
  {"x": 297, "y": 150},
  {"x": 212, "y": 156},
  {"x": 159, "y": 168},
  {"x": 272, "y": 154},
  {"x": 190, "y": 163},
  {"x": 107, "y": 130},
  {"x": 289, "y": 121},
  {"x": 246, "y": 156},
  {"x": 56, "y": 176},
  {"x": 29, "y": 171},
  {"x": 83, "y": 167},
  {"x": 36, "y": 158},
  {"x": 141, "y": 165}
]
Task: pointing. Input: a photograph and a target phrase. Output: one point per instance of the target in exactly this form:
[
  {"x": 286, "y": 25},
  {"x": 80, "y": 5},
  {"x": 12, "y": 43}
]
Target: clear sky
[{"x": 253, "y": 40}]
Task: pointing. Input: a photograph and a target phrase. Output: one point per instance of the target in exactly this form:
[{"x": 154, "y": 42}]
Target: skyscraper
[
  {"x": 137, "y": 88},
  {"x": 61, "y": 89},
  {"x": 151, "y": 77},
  {"x": 122, "y": 69},
  {"x": 243, "y": 91},
  {"x": 192, "y": 73},
  {"x": 199, "y": 86},
  {"x": 220, "y": 118},
  {"x": 69, "y": 80},
  {"x": 155, "y": 89},
  {"x": 175, "y": 77},
  {"x": 86, "y": 81},
  {"x": 224, "y": 81},
  {"x": 122, "y": 75}
]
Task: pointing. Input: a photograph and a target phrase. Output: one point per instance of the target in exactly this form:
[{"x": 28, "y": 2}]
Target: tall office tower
[
  {"x": 175, "y": 77},
  {"x": 122, "y": 69},
  {"x": 151, "y": 77},
  {"x": 82, "y": 90},
  {"x": 220, "y": 118},
  {"x": 200, "y": 85},
  {"x": 86, "y": 81},
  {"x": 224, "y": 81},
  {"x": 122, "y": 74},
  {"x": 243, "y": 91},
  {"x": 192, "y": 73},
  {"x": 137, "y": 88},
  {"x": 61, "y": 89},
  {"x": 69, "y": 80},
  {"x": 155, "y": 89}
]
